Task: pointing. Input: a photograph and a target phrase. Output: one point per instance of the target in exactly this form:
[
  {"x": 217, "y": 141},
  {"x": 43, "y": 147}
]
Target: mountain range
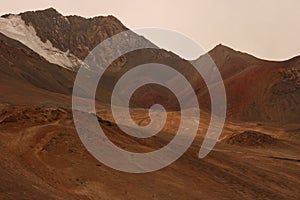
[
  {"x": 43, "y": 158},
  {"x": 49, "y": 38}
]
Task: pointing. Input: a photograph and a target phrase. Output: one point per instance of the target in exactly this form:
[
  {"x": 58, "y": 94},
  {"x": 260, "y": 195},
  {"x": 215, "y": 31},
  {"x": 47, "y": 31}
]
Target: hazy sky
[{"x": 265, "y": 28}]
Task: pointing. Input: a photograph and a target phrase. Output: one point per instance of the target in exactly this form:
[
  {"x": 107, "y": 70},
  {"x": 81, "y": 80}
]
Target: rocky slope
[
  {"x": 75, "y": 34},
  {"x": 257, "y": 90},
  {"x": 42, "y": 156},
  {"x": 27, "y": 78}
]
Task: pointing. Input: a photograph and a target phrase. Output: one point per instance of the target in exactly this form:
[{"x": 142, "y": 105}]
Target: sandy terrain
[{"x": 43, "y": 158}]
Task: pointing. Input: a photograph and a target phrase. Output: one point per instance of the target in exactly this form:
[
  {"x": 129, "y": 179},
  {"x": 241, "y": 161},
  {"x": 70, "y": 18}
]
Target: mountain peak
[
  {"x": 223, "y": 48},
  {"x": 50, "y": 9},
  {"x": 72, "y": 35},
  {"x": 223, "y": 53},
  {"x": 48, "y": 12}
]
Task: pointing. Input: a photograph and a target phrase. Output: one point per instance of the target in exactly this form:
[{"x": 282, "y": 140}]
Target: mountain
[
  {"x": 42, "y": 157},
  {"x": 27, "y": 78},
  {"x": 258, "y": 90},
  {"x": 74, "y": 34},
  {"x": 66, "y": 40}
]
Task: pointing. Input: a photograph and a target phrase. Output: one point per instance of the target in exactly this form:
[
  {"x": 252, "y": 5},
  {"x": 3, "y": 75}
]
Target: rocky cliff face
[
  {"x": 62, "y": 40},
  {"x": 72, "y": 33}
]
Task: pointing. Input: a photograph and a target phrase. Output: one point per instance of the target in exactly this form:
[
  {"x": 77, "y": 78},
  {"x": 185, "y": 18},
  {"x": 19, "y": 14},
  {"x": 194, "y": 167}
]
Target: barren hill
[{"x": 42, "y": 156}]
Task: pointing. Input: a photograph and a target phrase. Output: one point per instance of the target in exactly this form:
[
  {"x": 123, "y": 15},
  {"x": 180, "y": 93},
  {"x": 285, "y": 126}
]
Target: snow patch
[
  {"x": 67, "y": 20},
  {"x": 15, "y": 28}
]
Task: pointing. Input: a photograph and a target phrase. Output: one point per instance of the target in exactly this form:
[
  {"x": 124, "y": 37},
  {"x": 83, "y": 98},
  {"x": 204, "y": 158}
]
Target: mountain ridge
[
  {"x": 55, "y": 12},
  {"x": 249, "y": 81},
  {"x": 42, "y": 156}
]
